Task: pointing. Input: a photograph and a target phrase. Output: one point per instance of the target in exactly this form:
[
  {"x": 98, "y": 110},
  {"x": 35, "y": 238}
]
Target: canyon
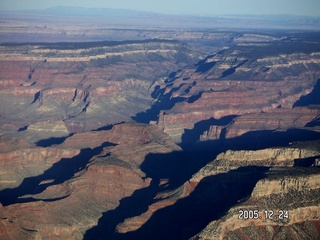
[
  {"x": 158, "y": 133},
  {"x": 84, "y": 88}
]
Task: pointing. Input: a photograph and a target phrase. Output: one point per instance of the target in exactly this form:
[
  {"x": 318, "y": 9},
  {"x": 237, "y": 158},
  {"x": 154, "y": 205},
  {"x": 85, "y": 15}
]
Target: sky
[{"x": 193, "y": 7}]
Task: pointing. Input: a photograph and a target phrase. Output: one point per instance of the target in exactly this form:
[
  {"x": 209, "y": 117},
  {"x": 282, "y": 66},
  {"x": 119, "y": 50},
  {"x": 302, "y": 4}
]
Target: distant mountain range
[
  {"x": 145, "y": 18},
  {"x": 88, "y": 12},
  {"x": 112, "y": 12}
]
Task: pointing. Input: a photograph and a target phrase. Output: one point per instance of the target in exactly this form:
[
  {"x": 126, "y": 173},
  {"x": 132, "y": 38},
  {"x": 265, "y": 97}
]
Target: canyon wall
[
  {"x": 78, "y": 87},
  {"x": 258, "y": 89},
  {"x": 60, "y": 192},
  {"x": 79, "y": 159}
]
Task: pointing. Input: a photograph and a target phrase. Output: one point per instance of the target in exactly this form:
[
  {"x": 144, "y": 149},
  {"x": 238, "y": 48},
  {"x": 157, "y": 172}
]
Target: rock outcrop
[
  {"x": 228, "y": 83},
  {"x": 75, "y": 163},
  {"x": 270, "y": 157},
  {"x": 85, "y": 85},
  {"x": 211, "y": 204},
  {"x": 53, "y": 202},
  {"x": 283, "y": 191},
  {"x": 290, "y": 195},
  {"x": 18, "y": 164}
]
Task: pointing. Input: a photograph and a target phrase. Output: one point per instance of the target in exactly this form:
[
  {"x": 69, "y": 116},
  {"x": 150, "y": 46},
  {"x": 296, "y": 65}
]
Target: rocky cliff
[
  {"x": 227, "y": 83},
  {"x": 290, "y": 195},
  {"x": 83, "y": 86},
  {"x": 283, "y": 191},
  {"x": 212, "y": 203},
  {"x": 60, "y": 192},
  {"x": 76, "y": 164}
]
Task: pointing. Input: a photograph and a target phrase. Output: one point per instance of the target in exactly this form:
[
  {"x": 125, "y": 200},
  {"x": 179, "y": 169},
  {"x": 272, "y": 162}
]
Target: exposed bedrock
[
  {"x": 85, "y": 85},
  {"x": 26, "y": 162},
  {"x": 237, "y": 113},
  {"x": 45, "y": 131},
  {"x": 215, "y": 203},
  {"x": 61, "y": 191},
  {"x": 290, "y": 194},
  {"x": 207, "y": 206},
  {"x": 263, "y": 89},
  {"x": 299, "y": 154},
  {"x": 266, "y": 112},
  {"x": 276, "y": 120}
]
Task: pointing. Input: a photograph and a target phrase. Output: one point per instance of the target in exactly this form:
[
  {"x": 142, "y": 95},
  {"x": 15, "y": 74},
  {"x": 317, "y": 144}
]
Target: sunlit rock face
[
  {"x": 256, "y": 88},
  {"x": 89, "y": 135},
  {"x": 82, "y": 86},
  {"x": 236, "y": 181},
  {"x": 61, "y": 191},
  {"x": 283, "y": 193}
]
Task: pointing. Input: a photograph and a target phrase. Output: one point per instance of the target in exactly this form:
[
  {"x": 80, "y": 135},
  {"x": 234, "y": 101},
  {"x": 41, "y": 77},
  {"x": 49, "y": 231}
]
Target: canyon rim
[{"x": 119, "y": 124}]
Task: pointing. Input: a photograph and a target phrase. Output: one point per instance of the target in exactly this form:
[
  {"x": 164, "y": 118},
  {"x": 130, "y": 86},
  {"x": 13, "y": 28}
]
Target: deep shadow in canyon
[
  {"x": 59, "y": 172},
  {"x": 131, "y": 206},
  {"x": 232, "y": 70},
  {"x": 254, "y": 140},
  {"x": 306, "y": 162},
  {"x": 211, "y": 198},
  {"x": 51, "y": 141},
  {"x": 176, "y": 166},
  {"x": 191, "y": 136},
  {"x": 311, "y": 98},
  {"x": 164, "y": 102}
]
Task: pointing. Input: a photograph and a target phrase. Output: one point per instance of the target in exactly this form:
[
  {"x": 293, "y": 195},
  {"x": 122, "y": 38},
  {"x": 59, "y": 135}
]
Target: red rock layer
[
  {"x": 291, "y": 190},
  {"x": 110, "y": 175},
  {"x": 277, "y": 119},
  {"x": 87, "y": 87},
  {"x": 245, "y": 91}
]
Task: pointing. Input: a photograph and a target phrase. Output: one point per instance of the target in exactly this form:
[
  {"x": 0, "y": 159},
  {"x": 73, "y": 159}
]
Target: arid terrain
[{"x": 145, "y": 132}]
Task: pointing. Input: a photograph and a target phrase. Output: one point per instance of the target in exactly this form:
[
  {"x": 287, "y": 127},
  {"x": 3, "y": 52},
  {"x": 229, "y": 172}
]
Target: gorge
[{"x": 162, "y": 135}]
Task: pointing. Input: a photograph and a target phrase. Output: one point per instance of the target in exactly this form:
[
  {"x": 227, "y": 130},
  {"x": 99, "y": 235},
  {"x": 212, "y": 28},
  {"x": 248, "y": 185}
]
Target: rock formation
[
  {"x": 85, "y": 85},
  {"x": 63, "y": 190},
  {"x": 89, "y": 134},
  {"x": 288, "y": 194},
  {"x": 228, "y": 82}
]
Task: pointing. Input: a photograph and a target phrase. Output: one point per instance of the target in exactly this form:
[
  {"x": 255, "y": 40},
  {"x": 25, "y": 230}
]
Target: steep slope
[
  {"x": 66, "y": 188},
  {"x": 247, "y": 80},
  {"x": 85, "y": 85},
  {"x": 288, "y": 206},
  {"x": 286, "y": 199},
  {"x": 210, "y": 205},
  {"x": 70, "y": 170}
]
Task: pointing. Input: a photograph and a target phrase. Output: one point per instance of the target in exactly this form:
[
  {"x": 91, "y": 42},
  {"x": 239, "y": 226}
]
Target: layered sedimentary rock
[
  {"x": 19, "y": 164},
  {"x": 69, "y": 186},
  {"x": 20, "y": 160},
  {"x": 85, "y": 85},
  {"x": 44, "y": 129},
  {"x": 262, "y": 87},
  {"x": 290, "y": 195},
  {"x": 276, "y": 154},
  {"x": 282, "y": 191},
  {"x": 277, "y": 119},
  {"x": 268, "y": 157},
  {"x": 131, "y": 181},
  {"x": 211, "y": 204}
]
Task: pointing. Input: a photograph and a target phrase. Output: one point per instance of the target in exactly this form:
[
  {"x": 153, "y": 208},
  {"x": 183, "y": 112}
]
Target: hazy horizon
[{"x": 182, "y": 7}]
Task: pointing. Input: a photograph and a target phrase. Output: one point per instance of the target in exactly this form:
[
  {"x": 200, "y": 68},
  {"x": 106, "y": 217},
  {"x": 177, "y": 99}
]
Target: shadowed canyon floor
[{"x": 168, "y": 138}]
